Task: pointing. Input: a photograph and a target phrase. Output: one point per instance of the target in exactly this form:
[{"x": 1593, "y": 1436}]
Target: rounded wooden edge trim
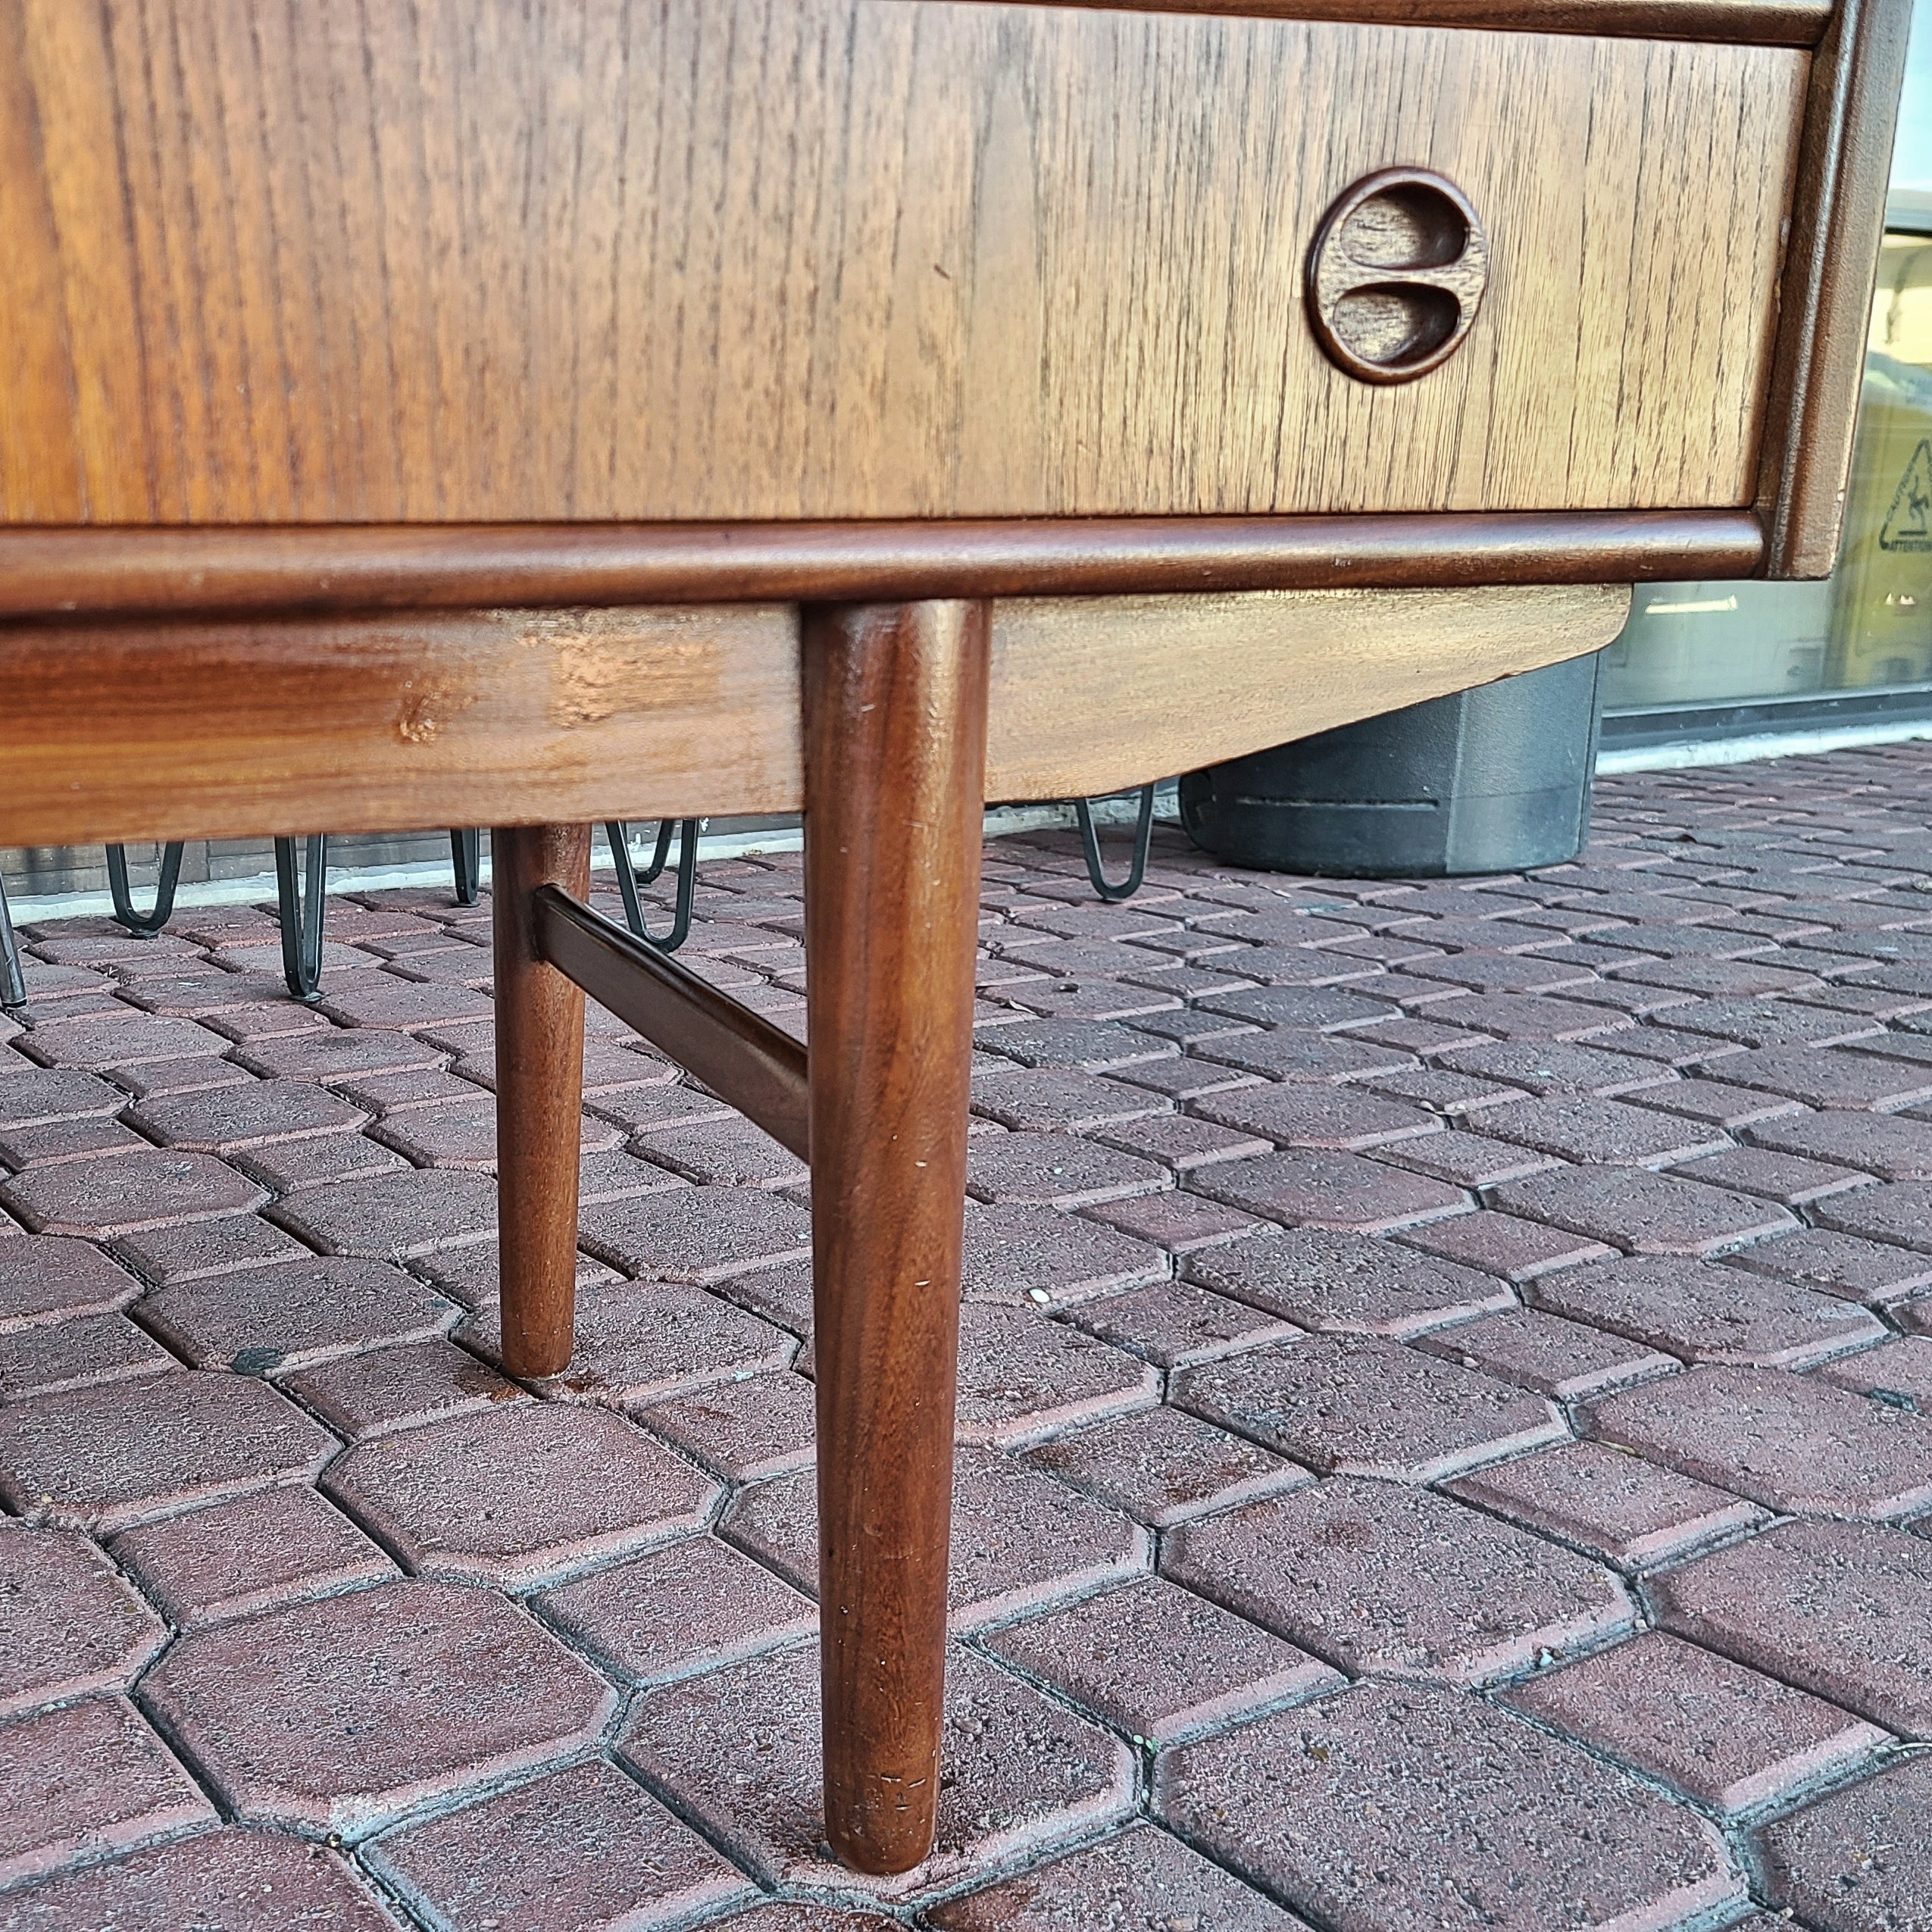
[
  {"x": 1753, "y": 22},
  {"x": 310, "y": 571}
]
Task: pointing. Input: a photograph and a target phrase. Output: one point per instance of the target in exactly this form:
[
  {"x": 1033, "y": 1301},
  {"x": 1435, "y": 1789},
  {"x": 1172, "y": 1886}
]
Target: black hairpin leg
[
  {"x": 1143, "y": 834},
  {"x": 301, "y": 909},
  {"x": 465, "y": 861},
  {"x": 618, "y": 833},
  {"x": 13, "y": 981},
  {"x": 630, "y": 876},
  {"x": 144, "y": 925}
]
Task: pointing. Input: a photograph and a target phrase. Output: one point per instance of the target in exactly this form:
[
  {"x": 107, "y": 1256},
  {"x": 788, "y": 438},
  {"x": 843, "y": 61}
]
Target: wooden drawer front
[{"x": 465, "y": 260}]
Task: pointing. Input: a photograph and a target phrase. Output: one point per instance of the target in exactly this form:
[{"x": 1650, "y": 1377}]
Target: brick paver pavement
[{"x": 1446, "y": 1416}]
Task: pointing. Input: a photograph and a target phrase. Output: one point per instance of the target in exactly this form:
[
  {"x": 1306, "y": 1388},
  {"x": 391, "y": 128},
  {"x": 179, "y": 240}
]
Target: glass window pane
[{"x": 1870, "y": 627}]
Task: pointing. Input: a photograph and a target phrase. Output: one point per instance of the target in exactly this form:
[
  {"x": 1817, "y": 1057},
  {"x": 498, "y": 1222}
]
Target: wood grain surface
[
  {"x": 895, "y": 735},
  {"x": 198, "y": 730},
  {"x": 424, "y": 261}
]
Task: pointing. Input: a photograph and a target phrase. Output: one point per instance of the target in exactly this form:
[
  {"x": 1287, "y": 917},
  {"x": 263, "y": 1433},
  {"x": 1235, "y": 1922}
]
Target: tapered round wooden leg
[
  {"x": 895, "y": 737},
  {"x": 539, "y": 1098}
]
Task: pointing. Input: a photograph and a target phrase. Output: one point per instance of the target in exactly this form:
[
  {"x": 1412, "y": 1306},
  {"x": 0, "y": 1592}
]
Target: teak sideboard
[{"x": 443, "y": 412}]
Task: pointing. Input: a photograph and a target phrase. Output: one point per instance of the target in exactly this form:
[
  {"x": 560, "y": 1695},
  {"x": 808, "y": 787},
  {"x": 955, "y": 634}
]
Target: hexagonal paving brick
[
  {"x": 1177, "y": 1222},
  {"x": 250, "y": 1115},
  {"x": 1550, "y": 1066},
  {"x": 1718, "y": 1104},
  {"x": 127, "y": 1192},
  {"x": 335, "y": 1716},
  {"x": 1324, "y": 1009},
  {"x": 582, "y": 1847},
  {"x": 697, "y": 1235},
  {"x": 121, "y": 1038},
  {"x": 643, "y": 1342},
  {"x": 84, "y": 1139},
  {"x": 1899, "y": 1374},
  {"x": 214, "y": 1564},
  {"x": 728, "y": 1153},
  {"x": 1789, "y": 1441},
  {"x": 1788, "y": 1179},
  {"x": 1861, "y": 1860},
  {"x": 1056, "y": 1170},
  {"x": 1609, "y": 1132},
  {"x": 393, "y": 1004},
  {"x": 1018, "y": 1252},
  {"x": 690, "y": 1608},
  {"x": 462, "y": 1134},
  {"x": 1708, "y": 1314},
  {"x": 1022, "y": 1378},
  {"x": 1729, "y": 1737},
  {"x": 1841, "y": 1609},
  {"x": 1090, "y": 1045},
  {"x": 90, "y": 1349},
  {"x": 1502, "y": 1245},
  {"x": 1388, "y": 1581},
  {"x": 1298, "y": 1116},
  {"x": 472, "y": 1275},
  {"x": 1343, "y": 1281},
  {"x": 1300, "y": 1057},
  {"x": 323, "y": 1159},
  {"x": 394, "y": 1387},
  {"x": 394, "y": 1216},
  {"x": 1521, "y": 1016},
  {"x": 1608, "y": 1503},
  {"x": 259, "y": 1320},
  {"x": 1889, "y": 1146},
  {"x": 86, "y": 1779},
  {"x": 742, "y": 1431},
  {"x": 1020, "y": 1540},
  {"x": 1163, "y": 1467},
  {"x": 32, "y": 1096},
  {"x": 1388, "y": 1806},
  {"x": 1175, "y": 1324},
  {"x": 737, "y": 1749},
  {"x": 1564, "y": 1360},
  {"x": 1830, "y": 1077},
  {"x": 1467, "y": 1160},
  {"x": 336, "y": 1054},
  {"x": 218, "y": 1881},
  {"x": 514, "y": 1495},
  {"x": 1360, "y": 1405},
  {"x": 1159, "y": 1663},
  {"x": 102, "y": 1458},
  {"x": 1179, "y": 1142},
  {"x": 1900, "y": 1213},
  {"x": 1845, "y": 1264},
  {"x": 1642, "y": 1212},
  {"x": 1308, "y": 1188},
  {"x": 1770, "y": 1023},
  {"x": 1021, "y": 1097},
  {"x": 68, "y": 1624},
  {"x": 194, "y": 1250},
  {"x": 1113, "y": 1882}
]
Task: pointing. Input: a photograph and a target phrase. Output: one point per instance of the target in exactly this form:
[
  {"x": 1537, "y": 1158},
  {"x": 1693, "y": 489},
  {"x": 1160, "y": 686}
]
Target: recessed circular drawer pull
[{"x": 1396, "y": 275}]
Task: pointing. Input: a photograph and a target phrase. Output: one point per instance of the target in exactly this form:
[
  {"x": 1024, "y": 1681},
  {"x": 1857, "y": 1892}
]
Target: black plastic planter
[{"x": 1494, "y": 779}]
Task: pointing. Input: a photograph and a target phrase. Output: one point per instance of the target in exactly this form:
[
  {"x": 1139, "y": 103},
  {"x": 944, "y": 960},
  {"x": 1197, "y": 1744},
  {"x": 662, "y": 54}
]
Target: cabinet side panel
[{"x": 1850, "y": 118}]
